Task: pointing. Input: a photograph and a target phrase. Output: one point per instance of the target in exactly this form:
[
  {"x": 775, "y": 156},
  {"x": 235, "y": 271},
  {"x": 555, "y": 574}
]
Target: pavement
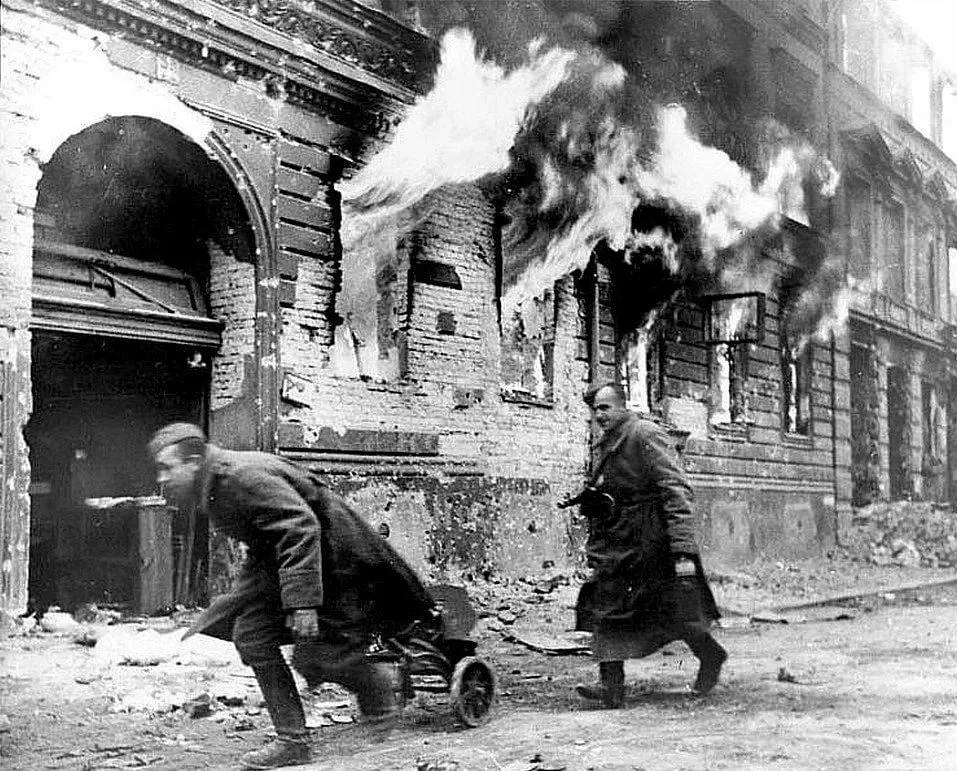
[{"x": 835, "y": 663}]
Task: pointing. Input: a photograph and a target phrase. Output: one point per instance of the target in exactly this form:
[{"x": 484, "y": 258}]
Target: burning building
[{"x": 395, "y": 241}]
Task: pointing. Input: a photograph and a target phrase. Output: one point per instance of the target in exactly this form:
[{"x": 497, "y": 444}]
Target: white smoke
[
  {"x": 465, "y": 129},
  {"x": 706, "y": 182}
]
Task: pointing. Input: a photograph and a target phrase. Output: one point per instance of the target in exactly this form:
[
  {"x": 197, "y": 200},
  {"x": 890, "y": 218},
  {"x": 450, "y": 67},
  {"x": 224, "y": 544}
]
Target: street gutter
[{"x": 858, "y": 595}]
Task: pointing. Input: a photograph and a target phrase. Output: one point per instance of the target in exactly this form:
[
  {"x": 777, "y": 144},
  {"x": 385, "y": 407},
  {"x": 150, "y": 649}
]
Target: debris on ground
[
  {"x": 798, "y": 583},
  {"x": 91, "y": 613},
  {"x": 733, "y": 577},
  {"x": 784, "y": 676},
  {"x": 55, "y": 621},
  {"x": 131, "y": 646},
  {"x": 904, "y": 533},
  {"x": 567, "y": 644},
  {"x": 438, "y": 765},
  {"x": 24, "y": 625},
  {"x": 535, "y": 763},
  {"x": 156, "y": 702},
  {"x": 201, "y": 705},
  {"x": 770, "y": 617}
]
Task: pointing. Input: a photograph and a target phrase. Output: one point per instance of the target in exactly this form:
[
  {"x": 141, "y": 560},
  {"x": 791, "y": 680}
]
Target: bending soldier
[{"x": 315, "y": 575}]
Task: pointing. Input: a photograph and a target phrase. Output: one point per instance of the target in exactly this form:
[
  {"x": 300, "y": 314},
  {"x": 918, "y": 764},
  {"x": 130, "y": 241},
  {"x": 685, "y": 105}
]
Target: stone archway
[{"x": 143, "y": 282}]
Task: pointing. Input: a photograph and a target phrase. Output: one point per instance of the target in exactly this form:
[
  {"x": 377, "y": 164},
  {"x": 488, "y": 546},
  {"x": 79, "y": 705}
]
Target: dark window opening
[
  {"x": 859, "y": 230},
  {"x": 894, "y": 257},
  {"x": 898, "y": 416},
  {"x": 930, "y": 287}
]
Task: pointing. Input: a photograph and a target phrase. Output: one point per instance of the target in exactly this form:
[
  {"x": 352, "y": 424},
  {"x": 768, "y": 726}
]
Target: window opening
[
  {"x": 859, "y": 230},
  {"x": 639, "y": 368},
  {"x": 894, "y": 255},
  {"x": 728, "y": 378},
  {"x": 372, "y": 308},
  {"x": 930, "y": 286},
  {"x": 952, "y": 281},
  {"x": 528, "y": 348},
  {"x": 796, "y": 382},
  {"x": 733, "y": 322}
]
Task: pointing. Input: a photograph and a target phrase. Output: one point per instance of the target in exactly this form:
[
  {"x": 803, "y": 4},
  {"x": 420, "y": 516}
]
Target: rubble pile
[{"x": 904, "y": 533}]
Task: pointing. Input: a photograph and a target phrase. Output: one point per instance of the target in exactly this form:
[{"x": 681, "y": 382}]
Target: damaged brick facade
[{"x": 460, "y": 429}]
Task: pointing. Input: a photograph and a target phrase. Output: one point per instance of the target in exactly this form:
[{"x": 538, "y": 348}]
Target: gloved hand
[{"x": 304, "y": 622}]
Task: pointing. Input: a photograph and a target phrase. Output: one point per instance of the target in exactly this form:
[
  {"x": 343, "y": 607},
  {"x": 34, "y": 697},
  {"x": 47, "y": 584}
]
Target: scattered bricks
[
  {"x": 906, "y": 534},
  {"x": 200, "y": 706},
  {"x": 55, "y": 621}
]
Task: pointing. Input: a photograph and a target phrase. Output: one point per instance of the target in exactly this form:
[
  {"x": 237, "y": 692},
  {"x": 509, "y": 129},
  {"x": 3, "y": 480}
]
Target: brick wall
[
  {"x": 19, "y": 174},
  {"x": 232, "y": 292},
  {"x": 758, "y": 489},
  {"x": 472, "y": 461}
]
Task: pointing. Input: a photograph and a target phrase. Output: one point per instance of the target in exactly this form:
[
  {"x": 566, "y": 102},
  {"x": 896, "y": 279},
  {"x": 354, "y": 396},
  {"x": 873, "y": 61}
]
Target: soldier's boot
[
  {"x": 610, "y": 690},
  {"x": 291, "y": 745},
  {"x": 710, "y": 654}
]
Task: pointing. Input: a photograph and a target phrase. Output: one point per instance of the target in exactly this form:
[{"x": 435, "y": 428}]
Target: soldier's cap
[{"x": 174, "y": 433}]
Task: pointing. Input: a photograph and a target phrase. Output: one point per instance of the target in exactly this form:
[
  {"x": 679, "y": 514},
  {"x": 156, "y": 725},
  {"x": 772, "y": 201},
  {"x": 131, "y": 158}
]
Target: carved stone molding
[
  {"x": 340, "y": 30},
  {"x": 186, "y": 34}
]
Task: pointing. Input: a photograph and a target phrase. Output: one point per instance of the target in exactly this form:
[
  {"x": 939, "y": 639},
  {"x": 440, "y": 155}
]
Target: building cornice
[
  {"x": 317, "y": 58},
  {"x": 892, "y": 123}
]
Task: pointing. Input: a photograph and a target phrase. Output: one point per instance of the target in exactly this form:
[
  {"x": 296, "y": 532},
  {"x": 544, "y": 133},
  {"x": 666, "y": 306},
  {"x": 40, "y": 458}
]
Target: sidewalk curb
[{"x": 838, "y": 598}]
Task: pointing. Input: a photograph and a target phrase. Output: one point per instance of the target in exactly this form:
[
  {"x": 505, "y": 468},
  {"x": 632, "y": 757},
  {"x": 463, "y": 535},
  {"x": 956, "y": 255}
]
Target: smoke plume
[{"x": 577, "y": 155}]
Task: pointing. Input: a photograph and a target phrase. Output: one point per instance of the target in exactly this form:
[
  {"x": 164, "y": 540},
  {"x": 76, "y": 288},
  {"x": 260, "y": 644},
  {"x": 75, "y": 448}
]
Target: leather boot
[
  {"x": 291, "y": 746},
  {"x": 281, "y": 752},
  {"x": 611, "y": 689},
  {"x": 709, "y": 652}
]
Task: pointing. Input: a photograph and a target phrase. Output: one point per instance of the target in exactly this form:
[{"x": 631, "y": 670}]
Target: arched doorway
[{"x": 129, "y": 212}]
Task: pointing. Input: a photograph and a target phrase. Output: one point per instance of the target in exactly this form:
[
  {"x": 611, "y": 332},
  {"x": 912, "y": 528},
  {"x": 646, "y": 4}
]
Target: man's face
[
  {"x": 607, "y": 409},
  {"x": 176, "y": 476}
]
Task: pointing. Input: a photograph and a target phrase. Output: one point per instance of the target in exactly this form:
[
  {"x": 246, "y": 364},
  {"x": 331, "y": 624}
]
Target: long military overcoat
[
  {"x": 306, "y": 549},
  {"x": 632, "y": 544}
]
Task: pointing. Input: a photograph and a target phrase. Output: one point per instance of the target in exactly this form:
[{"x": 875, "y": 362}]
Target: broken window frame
[
  {"x": 796, "y": 384},
  {"x": 754, "y": 323},
  {"x": 728, "y": 364},
  {"x": 650, "y": 368},
  {"x": 543, "y": 354},
  {"x": 728, "y": 403},
  {"x": 395, "y": 304}
]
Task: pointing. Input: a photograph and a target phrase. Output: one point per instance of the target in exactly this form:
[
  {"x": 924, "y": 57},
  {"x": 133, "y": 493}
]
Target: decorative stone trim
[
  {"x": 331, "y": 28},
  {"x": 197, "y": 39}
]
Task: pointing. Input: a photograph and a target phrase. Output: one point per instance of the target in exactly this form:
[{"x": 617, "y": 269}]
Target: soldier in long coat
[
  {"x": 315, "y": 575},
  {"x": 647, "y": 587}
]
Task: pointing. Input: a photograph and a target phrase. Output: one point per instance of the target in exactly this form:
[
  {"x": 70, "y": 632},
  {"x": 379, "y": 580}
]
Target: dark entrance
[{"x": 96, "y": 402}]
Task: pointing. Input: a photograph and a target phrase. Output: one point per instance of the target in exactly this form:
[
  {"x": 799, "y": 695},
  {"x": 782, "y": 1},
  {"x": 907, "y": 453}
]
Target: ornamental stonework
[{"x": 303, "y": 21}]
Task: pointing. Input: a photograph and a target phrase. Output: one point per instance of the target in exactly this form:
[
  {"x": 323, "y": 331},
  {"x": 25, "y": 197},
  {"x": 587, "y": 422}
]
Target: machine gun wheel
[{"x": 472, "y": 690}]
